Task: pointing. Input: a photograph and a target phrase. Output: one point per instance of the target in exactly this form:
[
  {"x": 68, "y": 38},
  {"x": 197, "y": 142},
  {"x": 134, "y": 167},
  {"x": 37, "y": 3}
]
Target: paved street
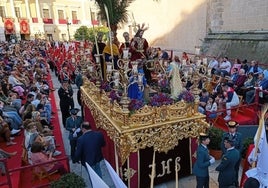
[{"x": 186, "y": 182}]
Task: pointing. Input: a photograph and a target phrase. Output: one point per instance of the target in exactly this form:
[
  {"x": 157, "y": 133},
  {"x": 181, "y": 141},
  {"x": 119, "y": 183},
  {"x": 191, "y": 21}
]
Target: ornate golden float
[{"x": 157, "y": 127}]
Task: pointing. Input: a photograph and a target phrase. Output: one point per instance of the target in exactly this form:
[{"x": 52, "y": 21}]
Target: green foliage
[
  {"x": 246, "y": 143},
  {"x": 101, "y": 29},
  {"x": 117, "y": 10},
  {"x": 82, "y": 33},
  {"x": 85, "y": 33},
  {"x": 215, "y": 135},
  {"x": 69, "y": 180}
]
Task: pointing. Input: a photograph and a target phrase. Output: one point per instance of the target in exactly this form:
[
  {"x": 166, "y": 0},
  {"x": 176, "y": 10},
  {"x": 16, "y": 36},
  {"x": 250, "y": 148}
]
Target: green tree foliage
[
  {"x": 85, "y": 33},
  {"x": 82, "y": 33},
  {"x": 117, "y": 10}
]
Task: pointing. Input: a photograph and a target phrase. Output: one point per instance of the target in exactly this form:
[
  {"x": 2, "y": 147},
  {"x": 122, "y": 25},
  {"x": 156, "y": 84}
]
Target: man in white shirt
[
  {"x": 213, "y": 65},
  {"x": 224, "y": 67}
]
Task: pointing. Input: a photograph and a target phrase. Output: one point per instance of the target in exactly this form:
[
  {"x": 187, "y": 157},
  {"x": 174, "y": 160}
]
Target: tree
[
  {"x": 85, "y": 33},
  {"x": 82, "y": 33},
  {"x": 117, "y": 10}
]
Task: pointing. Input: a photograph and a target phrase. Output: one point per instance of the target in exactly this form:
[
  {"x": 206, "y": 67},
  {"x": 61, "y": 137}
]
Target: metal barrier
[{"x": 8, "y": 171}]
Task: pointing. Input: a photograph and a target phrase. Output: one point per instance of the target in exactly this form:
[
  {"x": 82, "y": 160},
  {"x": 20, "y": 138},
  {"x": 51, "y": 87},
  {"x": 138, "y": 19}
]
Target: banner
[
  {"x": 24, "y": 26},
  {"x": 9, "y": 26}
]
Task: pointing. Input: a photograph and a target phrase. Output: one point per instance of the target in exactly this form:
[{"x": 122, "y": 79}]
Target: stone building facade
[{"x": 47, "y": 19}]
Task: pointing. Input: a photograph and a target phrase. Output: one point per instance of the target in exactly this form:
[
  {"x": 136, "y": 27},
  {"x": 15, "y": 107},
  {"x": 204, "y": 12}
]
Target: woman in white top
[{"x": 211, "y": 107}]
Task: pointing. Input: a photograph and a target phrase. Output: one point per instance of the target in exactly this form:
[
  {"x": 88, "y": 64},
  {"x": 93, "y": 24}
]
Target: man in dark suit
[
  {"x": 89, "y": 151},
  {"x": 73, "y": 125},
  {"x": 89, "y": 148},
  {"x": 238, "y": 144},
  {"x": 227, "y": 173},
  {"x": 203, "y": 161}
]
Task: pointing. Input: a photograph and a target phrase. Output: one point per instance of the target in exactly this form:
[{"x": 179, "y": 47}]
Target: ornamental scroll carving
[{"x": 157, "y": 127}]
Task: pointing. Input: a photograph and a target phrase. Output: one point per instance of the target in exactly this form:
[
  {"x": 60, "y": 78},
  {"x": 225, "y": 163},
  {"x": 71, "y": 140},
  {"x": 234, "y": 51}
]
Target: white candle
[
  {"x": 97, "y": 58},
  {"x": 198, "y": 62},
  {"x": 90, "y": 68},
  {"x": 109, "y": 67},
  {"x": 205, "y": 61},
  {"x": 140, "y": 76},
  {"x": 116, "y": 82},
  {"x": 125, "y": 53},
  {"x": 116, "y": 75},
  {"x": 135, "y": 69}
]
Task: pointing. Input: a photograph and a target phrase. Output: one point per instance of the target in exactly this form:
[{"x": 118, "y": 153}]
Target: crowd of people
[{"x": 24, "y": 97}]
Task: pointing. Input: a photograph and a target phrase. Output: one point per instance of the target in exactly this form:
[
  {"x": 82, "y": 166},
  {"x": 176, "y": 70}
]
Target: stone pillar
[
  {"x": 37, "y": 9},
  {"x": 12, "y": 7},
  {"x": 28, "y": 15}
]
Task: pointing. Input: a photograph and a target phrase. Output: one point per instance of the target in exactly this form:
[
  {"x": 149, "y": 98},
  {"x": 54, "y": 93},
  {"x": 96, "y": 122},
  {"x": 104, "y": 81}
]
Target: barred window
[
  {"x": 17, "y": 12},
  {"x": 2, "y": 12},
  {"x": 60, "y": 14},
  {"x": 46, "y": 13},
  {"x": 74, "y": 15}
]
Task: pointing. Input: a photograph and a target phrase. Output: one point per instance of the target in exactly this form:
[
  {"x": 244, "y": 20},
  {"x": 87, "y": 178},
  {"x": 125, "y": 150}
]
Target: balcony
[
  {"x": 35, "y": 20},
  {"x": 63, "y": 21},
  {"x": 75, "y": 21},
  {"x": 95, "y": 22},
  {"x": 47, "y": 21}
]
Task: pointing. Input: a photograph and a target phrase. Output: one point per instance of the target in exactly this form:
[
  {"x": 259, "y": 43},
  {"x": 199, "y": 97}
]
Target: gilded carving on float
[{"x": 157, "y": 127}]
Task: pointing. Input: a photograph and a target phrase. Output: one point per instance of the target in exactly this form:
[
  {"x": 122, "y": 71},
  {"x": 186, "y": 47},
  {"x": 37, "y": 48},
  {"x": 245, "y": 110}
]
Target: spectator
[
  {"x": 262, "y": 83},
  {"x": 239, "y": 83},
  {"x": 211, "y": 107},
  {"x": 231, "y": 100},
  {"x": 213, "y": 65},
  {"x": 245, "y": 65},
  {"x": 234, "y": 75},
  {"x": 203, "y": 101},
  {"x": 224, "y": 67},
  {"x": 5, "y": 154},
  {"x": 5, "y": 132},
  {"x": 37, "y": 156},
  {"x": 254, "y": 68}
]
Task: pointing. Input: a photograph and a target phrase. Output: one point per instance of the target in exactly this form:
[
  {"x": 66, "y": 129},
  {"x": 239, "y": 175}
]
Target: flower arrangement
[
  {"x": 115, "y": 96},
  {"x": 164, "y": 85},
  {"x": 105, "y": 86},
  {"x": 161, "y": 99},
  {"x": 187, "y": 96},
  {"x": 135, "y": 105}
]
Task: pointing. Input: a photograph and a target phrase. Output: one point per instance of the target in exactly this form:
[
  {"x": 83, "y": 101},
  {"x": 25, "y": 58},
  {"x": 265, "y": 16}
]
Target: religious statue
[
  {"x": 138, "y": 49},
  {"x": 137, "y": 84},
  {"x": 175, "y": 80},
  {"x": 126, "y": 44},
  {"x": 111, "y": 52}
]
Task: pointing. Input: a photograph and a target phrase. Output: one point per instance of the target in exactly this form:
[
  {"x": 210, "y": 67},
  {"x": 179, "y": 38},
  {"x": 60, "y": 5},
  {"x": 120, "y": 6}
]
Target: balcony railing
[
  {"x": 95, "y": 22},
  {"x": 75, "y": 21},
  {"x": 35, "y": 20},
  {"x": 63, "y": 21},
  {"x": 47, "y": 21}
]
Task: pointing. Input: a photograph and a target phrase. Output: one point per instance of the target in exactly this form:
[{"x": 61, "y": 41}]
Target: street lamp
[{"x": 68, "y": 28}]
